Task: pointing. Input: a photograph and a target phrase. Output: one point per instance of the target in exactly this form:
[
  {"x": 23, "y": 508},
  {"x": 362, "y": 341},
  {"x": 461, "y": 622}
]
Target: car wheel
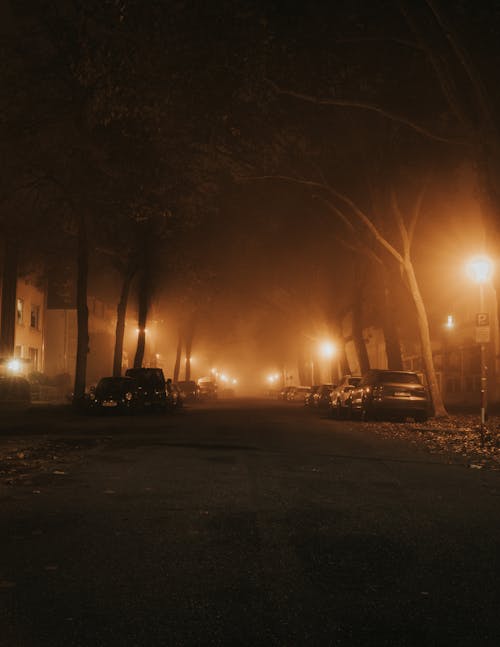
[{"x": 421, "y": 417}]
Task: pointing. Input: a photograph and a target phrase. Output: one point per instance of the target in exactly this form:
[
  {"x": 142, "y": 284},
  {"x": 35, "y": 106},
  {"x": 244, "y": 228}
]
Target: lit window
[
  {"x": 20, "y": 311},
  {"x": 35, "y": 317}
]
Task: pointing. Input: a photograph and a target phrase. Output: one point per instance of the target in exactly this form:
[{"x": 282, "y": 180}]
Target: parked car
[
  {"x": 298, "y": 393},
  {"x": 152, "y": 387},
  {"x": 340, "y": 397},
  {"x": 189, "y": 390},
  {"x": 283, "y": 394},
  {"x": 321, "y": 398},
  {"x": 392, "y": 394},
  {"x": 15, "y": 393},
  {"x": 208, "y": 389},
  {"x": 309, "y": 398},
  {"x": 119, "y": 394}
]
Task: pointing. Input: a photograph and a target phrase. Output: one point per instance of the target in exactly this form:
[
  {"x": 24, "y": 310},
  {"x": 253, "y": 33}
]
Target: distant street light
[
  {"x": 327, "y": 349},
  {"x": 14, "y": 366},
  {"x": 480, "y": 270},
  {"x": 450, "y": 322}
]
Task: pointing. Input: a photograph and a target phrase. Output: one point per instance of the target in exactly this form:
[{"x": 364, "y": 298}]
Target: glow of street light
[
  {"x": 480, "y": 269},
  {"x": 327, "y": 349},
  {"x": 14, "y": 365},
  {"x": 450, "y": 322}
]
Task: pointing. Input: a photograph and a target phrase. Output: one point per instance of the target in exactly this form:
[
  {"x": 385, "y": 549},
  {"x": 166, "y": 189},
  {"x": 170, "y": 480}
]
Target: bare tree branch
[
  {"x": 443, "y": 75},
  {"x": 343, "y": 198},
  {"x": 400, "y": 222},
  {"x": 374, "y": 39},
  {"x": 370, "y": 107},
  {"x": 463, "y": 57},
  {"x": 417, "y": 210}
]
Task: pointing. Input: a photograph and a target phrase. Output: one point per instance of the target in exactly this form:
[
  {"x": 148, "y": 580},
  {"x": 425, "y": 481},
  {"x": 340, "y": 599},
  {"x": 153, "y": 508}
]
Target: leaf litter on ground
[{"x": 458, "y": 436}]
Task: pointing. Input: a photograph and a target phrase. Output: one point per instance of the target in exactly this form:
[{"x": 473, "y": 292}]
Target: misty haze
[{"x": 249, "y": 323}]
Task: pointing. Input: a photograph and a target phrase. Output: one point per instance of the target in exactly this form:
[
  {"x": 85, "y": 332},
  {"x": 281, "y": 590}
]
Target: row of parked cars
[
  {"x": 378, "y": 394},
  {"x": 141, "y": 389}
]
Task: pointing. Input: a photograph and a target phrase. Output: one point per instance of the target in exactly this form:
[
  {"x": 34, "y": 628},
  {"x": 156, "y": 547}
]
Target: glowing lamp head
[
  {"x": 480, "y": 269},
  {"x": 327, "y": 349},
  {"x": 14, "y": 366},
  {"x": 450, "y": 322}
]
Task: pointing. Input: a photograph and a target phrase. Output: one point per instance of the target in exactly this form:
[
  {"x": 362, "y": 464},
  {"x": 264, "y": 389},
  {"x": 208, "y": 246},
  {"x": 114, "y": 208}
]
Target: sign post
[{"x": 483, "y": 338}]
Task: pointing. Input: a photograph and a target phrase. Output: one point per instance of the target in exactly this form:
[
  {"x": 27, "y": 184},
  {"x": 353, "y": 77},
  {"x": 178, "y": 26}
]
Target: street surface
[{"x": 241, "y": 523}]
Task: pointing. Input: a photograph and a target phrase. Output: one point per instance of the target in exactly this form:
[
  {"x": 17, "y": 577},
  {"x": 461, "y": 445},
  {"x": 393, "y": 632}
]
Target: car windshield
[
  {"x": 353, "y": 381},
  {"x": 399, "y": 378},
  {"x": 115, "y": 383}
]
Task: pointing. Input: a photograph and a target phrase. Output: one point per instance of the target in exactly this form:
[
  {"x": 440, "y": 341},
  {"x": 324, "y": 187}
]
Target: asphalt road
[{"x": 242, "y": 523}]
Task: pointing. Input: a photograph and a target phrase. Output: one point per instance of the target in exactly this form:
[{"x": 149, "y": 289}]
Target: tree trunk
[
  {"x": 178, "y": 354},
  {"x": 390, "y": 331},
  {"x": 189, "y": 345},
  {"x": 343, "y": 363},
  {"x": 9, "y": 292},
  {"x": 358, "y": 339},
  {"x": 142, "y": 320},
  {"x": 304, "y": 370},
  {"x": 425, "y": 341},
  {"x": 121, "y": 313},
  {"x": 82, "y": 312},
  {"x": 187, "y": 370}
]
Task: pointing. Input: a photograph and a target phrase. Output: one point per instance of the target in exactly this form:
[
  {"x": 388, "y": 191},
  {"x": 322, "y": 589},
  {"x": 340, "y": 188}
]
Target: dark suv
[
  {"x": 392, "y": 394},
  {"x": 115, "y": 394},
  {"x": 151, "y": 387}
]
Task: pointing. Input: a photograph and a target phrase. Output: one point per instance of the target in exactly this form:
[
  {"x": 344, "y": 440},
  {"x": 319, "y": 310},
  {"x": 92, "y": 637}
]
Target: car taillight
[
  {"x": 128, "y": 396},
  {"x": 92, "y": 396}
]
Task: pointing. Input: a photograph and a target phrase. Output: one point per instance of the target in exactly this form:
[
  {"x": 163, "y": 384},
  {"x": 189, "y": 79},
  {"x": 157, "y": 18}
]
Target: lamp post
[{"x": 480, "y": 269}]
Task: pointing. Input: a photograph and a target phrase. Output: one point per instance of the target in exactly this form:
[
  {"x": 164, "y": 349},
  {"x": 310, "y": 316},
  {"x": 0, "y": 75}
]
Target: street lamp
[
  {"x": 14, "y": 366},
  {"x": 327, "y": 349},
  {"x": 480, "y": 270}
]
